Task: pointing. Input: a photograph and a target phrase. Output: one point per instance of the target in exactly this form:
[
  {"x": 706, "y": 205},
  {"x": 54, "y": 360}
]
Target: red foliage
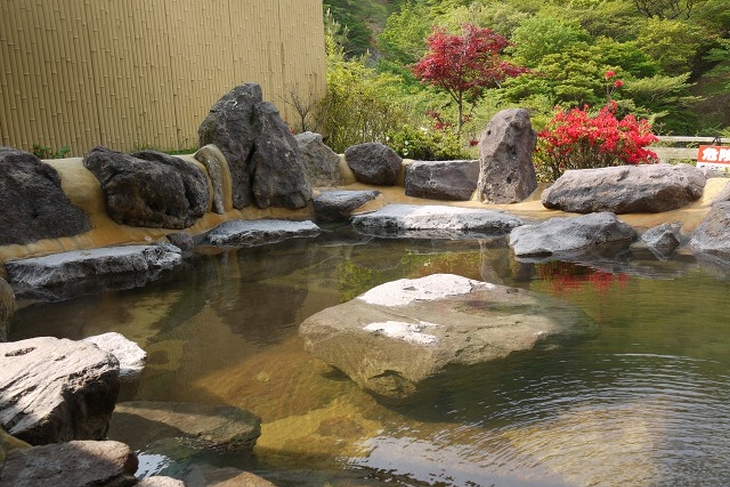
[
  {"x": 465, "y": 65},
  {"x": 577, "y": 140}
]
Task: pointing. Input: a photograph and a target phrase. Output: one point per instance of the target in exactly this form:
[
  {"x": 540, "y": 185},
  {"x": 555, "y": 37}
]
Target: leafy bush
[
  {"x": 424, "y": 144},
  {"x": 578, "y": 140},
  {"x": 44, "y": 152}
]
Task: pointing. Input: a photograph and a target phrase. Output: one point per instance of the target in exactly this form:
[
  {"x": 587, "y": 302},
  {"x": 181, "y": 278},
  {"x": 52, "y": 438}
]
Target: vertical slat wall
[{"x": 134, "y": 73}]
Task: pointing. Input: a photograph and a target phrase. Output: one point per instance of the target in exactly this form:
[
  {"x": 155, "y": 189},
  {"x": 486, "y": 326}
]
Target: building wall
[{"x": 130, "y": 74}]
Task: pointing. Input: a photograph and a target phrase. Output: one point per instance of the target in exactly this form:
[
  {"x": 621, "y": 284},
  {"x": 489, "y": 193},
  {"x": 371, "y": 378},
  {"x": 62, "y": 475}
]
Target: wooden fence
[{"x": 129, "y": 74}]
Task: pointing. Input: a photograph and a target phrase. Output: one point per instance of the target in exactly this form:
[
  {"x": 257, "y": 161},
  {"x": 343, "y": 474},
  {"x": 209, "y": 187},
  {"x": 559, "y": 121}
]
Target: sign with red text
[{"x": 714, "y": 156}]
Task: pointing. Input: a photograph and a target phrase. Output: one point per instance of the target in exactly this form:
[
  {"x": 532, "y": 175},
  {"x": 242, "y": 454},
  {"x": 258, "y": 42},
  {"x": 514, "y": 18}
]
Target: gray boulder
[
  {"x": 647, "y": 188},
  {"x": 33, "y": 202},
  {"x": 68, "y": 274},
  {"x": 393, "y": 338},
  {"x": 7, "y": 308},
  {"x": 73, "y": 464},
  {"x": 144, "y": 424},
  {"x": 663, "y": 239},
  {"x": 442, "y": 180},
  {"x": 132, "y": 359},
  {"x": 435, "y": 221},
  {"x": 220, "y": 177},
  {"x": 593, "y": 236},
  {"x": 337, "y": 206},
  {"x": 150, "y": 189},
  {"x": 252, "y": 233},
  {"x": 506, "y": 172},
  {"x": 321, "y": 162},
  {"x": 263, "y": 158},
  {"x": 711, "y": 239},
  {"x": 374, "y": 163},
  {"x": 56, "y": 390}
]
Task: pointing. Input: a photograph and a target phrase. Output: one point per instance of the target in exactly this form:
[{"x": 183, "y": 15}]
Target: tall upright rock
[
  {"x": 506, "y": 172},
  {"x": 263, "y": 157}
]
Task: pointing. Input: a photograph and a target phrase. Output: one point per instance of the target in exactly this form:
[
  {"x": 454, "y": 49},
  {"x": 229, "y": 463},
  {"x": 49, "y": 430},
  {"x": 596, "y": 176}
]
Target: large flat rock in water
[
  {"x": 435, "y": 221},
  {"x": 392, "y": 338},
  {"x": 63, "y": 275},
  {"x": 73, "y": 464},
  {"x": 252, "y": 233},
  {"x": 143, "y": 424},
  {"x": 54, "y": 390}
]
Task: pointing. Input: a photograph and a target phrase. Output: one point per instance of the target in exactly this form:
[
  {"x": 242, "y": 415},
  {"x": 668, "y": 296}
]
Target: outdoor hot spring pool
[{"x": 645, "y": 402}]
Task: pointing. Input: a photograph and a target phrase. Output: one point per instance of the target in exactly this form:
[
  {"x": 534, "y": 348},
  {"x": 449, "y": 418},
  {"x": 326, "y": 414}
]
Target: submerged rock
[
  {"x": 33, "y": 202},
  {"x": 442, "y": 180},
  {"x": 67, "y": 274},
  {"x": 56, "y": 390},
  {"x": 506, "y": 172},
  {"x": 649, "y": 188},
  {"x": 206, "y": 475},
  {"x": 394, "y": 337},
  {"x": 593, "y": 236},
  {"x": 73, "y": 464},
  {"x": 435, "y": 221},
  {"x": 252, "y": 233},
  {"x": 144, "y": 424}
]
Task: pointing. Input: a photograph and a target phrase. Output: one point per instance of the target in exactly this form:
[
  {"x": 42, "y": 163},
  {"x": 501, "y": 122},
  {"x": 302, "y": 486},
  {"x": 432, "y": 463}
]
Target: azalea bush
[{"x": 578, "y": 139}]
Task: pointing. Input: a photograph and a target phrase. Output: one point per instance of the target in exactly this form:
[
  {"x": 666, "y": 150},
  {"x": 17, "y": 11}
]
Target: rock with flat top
[
  {"x": 252, "y": 233},
  {"x": 54, "y": 390},
  {"x": 594, "y": 236},
  {"x": 68, "y": 274},
  {"x": 142, "y": 424},
  {"x": 393, "y": 338},
  {"x": 646, "y": 188},
  {"x": 435, "y": 221},
  {"x": 73, "y": 464}
]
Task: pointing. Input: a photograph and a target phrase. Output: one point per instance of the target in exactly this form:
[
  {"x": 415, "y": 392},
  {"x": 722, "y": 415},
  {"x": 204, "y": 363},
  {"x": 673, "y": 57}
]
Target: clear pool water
[{"x": 644, "y": 403}]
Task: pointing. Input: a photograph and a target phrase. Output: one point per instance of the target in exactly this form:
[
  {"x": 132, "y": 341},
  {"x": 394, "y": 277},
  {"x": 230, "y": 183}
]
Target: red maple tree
[{"x": 465, "y": 65}]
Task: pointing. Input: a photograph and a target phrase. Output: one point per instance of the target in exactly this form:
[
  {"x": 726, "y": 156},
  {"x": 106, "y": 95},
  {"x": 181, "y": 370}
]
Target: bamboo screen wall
[{"x": 129, "y": 74}]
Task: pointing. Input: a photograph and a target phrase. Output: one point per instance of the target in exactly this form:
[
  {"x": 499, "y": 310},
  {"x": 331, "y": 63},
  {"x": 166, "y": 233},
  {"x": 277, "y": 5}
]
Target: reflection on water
[{"x": 645, "y": 403}]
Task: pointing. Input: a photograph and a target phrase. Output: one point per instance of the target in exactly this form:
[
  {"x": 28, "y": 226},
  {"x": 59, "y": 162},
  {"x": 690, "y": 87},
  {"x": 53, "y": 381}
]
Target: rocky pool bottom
[{"x": 645, "y": 402}]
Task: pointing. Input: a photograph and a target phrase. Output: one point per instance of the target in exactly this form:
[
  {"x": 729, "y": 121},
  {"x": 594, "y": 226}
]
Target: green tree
[
  {"x": 673, "y": 43},
  {"x": 544, "y": 34}
]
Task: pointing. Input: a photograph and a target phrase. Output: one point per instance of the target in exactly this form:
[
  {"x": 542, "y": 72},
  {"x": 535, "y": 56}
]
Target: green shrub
[
  {"x": 45, "y": 152},
  {"x": 424, "y": 144}
]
